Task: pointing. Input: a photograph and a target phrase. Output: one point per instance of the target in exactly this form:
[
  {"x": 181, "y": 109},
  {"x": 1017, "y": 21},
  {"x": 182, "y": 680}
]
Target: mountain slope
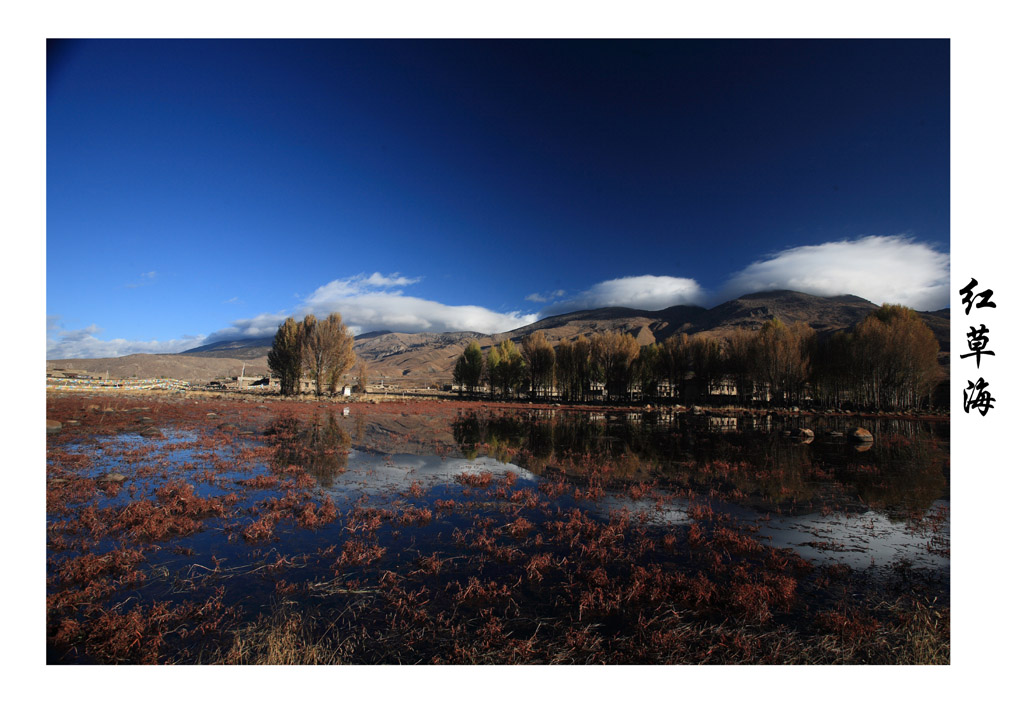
[{"x": 417, "y": 359}]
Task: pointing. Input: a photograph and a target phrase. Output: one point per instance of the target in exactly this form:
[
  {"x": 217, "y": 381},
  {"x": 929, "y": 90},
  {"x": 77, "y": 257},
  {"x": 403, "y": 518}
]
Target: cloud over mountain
[
  {"x": 84, "y": 343},
  {"x": 882, "y": 269},
  {"x": 893, "y": 269},
  {"x": 649, "y": 292},
  {"x": 375, "y": 302}
]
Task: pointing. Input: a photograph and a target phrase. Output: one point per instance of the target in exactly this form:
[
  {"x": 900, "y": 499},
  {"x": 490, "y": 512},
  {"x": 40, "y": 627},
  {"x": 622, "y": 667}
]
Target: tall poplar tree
[
  {"x": 894, "y": 359},
  {"x": 613, "y": 354},
  {"x": 285, "y": 356},
  {"x": 540, "y": 361},
  {"x": 493, "y": 369},
  {"x": 469, "y": 366},
  {"x": 573, "y": 368},
  {"x": 327, "y": 351},
  {"x": 648, "y": 371},
  {"x": 361, "y": 374},
  {"x": 675, "y": 362},
  {"x": 511, "y": 368},
  {"x": 706, "y": 359}
]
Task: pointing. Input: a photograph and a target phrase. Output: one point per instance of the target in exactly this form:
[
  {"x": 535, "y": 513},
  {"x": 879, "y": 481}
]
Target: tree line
[
  {"x": 888, "y": 361},
  {"x": 320, "y": 350}
]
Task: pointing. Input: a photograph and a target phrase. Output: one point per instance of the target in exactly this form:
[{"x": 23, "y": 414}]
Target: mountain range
[{"x": 420, "y": 359}]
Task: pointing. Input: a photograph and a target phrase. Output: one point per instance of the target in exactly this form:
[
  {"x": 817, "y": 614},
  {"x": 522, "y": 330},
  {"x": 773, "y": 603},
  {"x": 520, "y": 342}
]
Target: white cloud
[
  {"x": 143, "y": 279},
  {"x": 543, "y": 297},
  {"x": 881, "y": 269},
  {"x": 83, "y": 343},
  {"x": 648, "y": 292},
  {"x": 256, "y": 327},
  {"x": 392, "y": 280},
  {"x": 363, "y": 284},
  {"x": 367, "y": 304},
  {"x": 367, "y": 310}
]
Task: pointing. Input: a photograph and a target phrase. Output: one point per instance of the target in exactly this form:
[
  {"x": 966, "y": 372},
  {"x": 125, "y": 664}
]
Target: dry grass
[
  {"x": 282, "y": 638},
  {"x": 286, "y": 637},
  {"x": 924, "y": 637}
]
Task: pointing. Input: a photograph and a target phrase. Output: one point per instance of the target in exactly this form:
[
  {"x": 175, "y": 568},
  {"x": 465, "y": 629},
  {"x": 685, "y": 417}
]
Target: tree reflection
[
  {"x": 466, "y": 430},
  {"x": 748, "y": 460},
  {"x": 904, "y": 476},
  {"x": 320, "y": 446}
]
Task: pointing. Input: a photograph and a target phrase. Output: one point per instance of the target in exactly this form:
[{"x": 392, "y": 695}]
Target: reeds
[{"x": 497, "y": 570}]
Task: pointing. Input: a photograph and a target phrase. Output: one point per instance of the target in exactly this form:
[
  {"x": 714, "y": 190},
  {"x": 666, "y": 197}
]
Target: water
[{"x": 489, "y": 491}]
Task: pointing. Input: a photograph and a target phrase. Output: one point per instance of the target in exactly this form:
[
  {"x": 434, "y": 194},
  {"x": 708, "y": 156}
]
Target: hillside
[
  {"x": 820, "y": 313},
  {"x": 418, "y": 359},
  {"x": 176, "y": 366},
  {"x": 241, "y": 348}
]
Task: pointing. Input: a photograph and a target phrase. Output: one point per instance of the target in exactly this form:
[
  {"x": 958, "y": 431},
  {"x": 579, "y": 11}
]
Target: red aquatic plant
[{"x": 481, "y": 480}]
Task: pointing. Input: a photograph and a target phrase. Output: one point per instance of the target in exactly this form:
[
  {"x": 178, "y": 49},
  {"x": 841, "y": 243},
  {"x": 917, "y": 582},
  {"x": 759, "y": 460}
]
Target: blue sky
[{"x": 199, "y": 190}]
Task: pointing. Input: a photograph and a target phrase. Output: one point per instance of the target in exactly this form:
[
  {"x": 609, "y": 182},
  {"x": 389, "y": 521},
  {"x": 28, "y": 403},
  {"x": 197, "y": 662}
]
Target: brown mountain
[
  {"x": 199, "y": 369},
  {"x": 419, "y": 359}
]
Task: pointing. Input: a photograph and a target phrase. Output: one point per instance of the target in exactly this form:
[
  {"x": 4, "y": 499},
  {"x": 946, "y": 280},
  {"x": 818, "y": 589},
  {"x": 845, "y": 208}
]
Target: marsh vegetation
[{"x": 473, "y": 533}]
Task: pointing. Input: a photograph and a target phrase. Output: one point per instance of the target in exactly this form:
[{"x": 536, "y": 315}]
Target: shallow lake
[{"x": 315, "y": 506}]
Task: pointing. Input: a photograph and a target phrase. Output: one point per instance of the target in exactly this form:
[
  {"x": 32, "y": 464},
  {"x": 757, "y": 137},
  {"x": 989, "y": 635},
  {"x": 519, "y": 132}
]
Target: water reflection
[
  {"x": 321, "y": 446},
  {"x": 823, "y": 498},
  {"x": 373, "y": 475},
  {"x": 855, "y": 539},
  {"x": 902, "y": 474}
]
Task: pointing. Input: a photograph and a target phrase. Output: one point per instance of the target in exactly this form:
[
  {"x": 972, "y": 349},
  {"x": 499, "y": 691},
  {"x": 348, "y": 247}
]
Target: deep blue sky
[{"x": 196, "y": 187}]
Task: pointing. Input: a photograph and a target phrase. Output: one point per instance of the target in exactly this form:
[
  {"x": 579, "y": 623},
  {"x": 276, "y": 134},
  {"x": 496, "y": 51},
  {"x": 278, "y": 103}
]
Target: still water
[{"x": 828, "y": 499}]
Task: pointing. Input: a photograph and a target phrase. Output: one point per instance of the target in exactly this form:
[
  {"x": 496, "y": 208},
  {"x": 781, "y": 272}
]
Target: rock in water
[
  {"x": 860, "y": 435},
  {"x": 52, "y": 426}
]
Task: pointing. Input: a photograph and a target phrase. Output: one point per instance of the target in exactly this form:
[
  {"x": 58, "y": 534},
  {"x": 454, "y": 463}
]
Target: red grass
[{"x": 481, "y": 480}]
